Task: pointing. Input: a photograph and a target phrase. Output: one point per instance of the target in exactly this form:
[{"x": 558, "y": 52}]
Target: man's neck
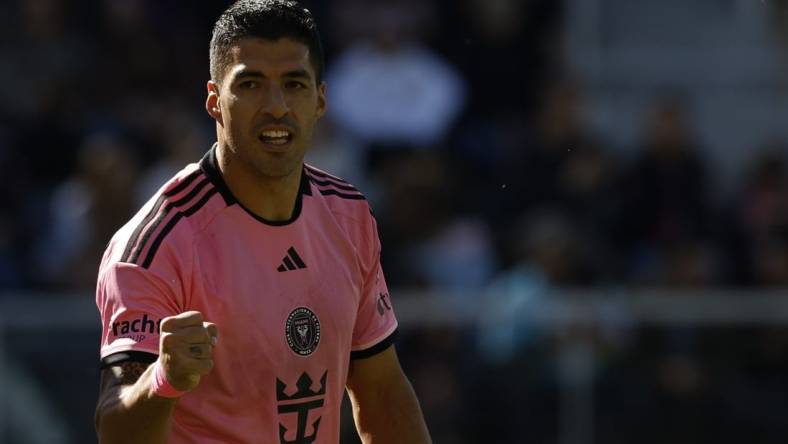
[{"x": 271, "y": 198}]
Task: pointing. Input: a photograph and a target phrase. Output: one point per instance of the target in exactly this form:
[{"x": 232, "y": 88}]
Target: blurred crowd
[{"x": 458, "y": 119}]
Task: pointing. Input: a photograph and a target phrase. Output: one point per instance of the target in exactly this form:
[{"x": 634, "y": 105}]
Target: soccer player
[{"x": 247, "y": 294}]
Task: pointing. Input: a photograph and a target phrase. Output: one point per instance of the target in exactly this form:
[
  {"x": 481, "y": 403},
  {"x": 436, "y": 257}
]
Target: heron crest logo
[{"x": 302, "y": 331}]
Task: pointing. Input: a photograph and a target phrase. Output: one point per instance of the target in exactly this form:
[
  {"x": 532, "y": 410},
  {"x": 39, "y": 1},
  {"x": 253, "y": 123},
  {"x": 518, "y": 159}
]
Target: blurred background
[{"x": 583, "y": 203}]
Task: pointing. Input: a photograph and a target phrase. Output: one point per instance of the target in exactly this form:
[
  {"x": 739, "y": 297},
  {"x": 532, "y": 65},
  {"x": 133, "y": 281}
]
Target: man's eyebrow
[
  {"x": 294, "y": 74},
  {"x": 298, "y": 73},
  {"x": 247, "y": 74}
]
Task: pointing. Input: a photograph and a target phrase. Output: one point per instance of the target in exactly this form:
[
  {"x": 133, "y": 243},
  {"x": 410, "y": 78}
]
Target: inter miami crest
[{"x": 302, "y": 331}]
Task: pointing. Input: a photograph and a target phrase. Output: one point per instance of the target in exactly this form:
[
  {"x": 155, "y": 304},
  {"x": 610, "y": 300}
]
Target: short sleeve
[
  {"x": 376, "y": 323},
  {"x": 132, "y": 301}
]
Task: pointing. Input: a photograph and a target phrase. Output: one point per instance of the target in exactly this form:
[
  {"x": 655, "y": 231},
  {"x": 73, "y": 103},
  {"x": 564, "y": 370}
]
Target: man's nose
[{"x": 276, "y": 104}]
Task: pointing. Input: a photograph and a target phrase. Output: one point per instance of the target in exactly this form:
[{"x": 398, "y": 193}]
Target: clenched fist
[{"x": 186, "y": 349}]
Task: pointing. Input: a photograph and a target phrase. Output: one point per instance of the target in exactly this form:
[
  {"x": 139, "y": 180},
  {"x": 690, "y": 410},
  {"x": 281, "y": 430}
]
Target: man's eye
[
  {"x": 249, "y": 84},
  {"x": 295, "y": 85}
]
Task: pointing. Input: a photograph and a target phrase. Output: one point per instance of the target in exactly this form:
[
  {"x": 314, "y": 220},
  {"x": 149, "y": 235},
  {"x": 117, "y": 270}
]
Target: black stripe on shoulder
[
  {"x": 318, "y": 173},
  {"x": 163, "y": 215},
  {"x": 342, "y": 195},
  {"x": 184, "y": 183},
  {"x": 155, "y": 210},
  {"x": 171, "y": 224},
  {"x": 128, "y": 356},
  {"x": 325, "y": 183},
  {"x": 377, "y": 348}
]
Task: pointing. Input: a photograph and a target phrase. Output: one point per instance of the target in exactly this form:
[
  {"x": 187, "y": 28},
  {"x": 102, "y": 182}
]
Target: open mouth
[{"x": 275, "y": 137}]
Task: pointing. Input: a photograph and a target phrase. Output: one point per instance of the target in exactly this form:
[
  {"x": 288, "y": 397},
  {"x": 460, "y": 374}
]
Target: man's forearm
[
  {"x": 133, "y": 414},
  {"x": 394, "y": 417}
]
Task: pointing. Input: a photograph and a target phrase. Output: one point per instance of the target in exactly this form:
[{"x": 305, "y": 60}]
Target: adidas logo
[{"x": 291, "y": 262}]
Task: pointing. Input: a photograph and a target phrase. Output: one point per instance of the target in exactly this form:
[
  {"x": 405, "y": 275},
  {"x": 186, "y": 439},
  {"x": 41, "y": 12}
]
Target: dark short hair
[{"x": 266, "y": 19}]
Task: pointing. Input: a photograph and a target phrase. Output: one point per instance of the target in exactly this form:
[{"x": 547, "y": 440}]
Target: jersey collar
[{"x": 209, "y": 165}]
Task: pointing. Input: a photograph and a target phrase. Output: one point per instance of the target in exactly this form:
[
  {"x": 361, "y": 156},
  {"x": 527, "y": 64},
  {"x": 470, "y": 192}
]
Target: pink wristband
[{"x": 161, "y": 386}]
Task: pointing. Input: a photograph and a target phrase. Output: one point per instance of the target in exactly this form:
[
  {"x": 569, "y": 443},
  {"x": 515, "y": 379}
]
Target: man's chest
[{"x": 278, "y": 294}]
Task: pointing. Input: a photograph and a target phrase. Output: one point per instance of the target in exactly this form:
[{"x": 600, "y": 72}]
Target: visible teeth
[{"x": 275, "y": 134}]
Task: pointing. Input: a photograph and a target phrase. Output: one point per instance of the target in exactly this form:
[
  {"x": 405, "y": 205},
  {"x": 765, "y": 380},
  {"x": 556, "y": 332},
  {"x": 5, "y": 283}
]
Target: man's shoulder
[
  {"x": 344, "y": 205},
  {"x": 170, "y": 216},
  {"x": 340, "y": 196}
]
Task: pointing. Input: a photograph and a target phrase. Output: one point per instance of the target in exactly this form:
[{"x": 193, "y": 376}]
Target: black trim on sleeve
[
  {"x": 377, "y": 348},
  {"x": 128, "y": 356}
]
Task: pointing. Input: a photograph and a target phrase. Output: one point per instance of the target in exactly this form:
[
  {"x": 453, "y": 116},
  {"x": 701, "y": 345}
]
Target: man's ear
[
  {"x": 322, "y": 103},
  {"x": 212, "y": 104}
]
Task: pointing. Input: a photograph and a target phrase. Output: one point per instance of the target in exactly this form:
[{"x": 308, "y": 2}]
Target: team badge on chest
[{"x": 302, "y": 331}]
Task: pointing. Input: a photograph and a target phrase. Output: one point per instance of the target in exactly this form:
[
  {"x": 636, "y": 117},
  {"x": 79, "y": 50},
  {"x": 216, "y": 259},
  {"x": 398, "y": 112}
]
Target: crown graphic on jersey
[
  {"x": 304, "y": 385},
  {"x": 292, "y": 261}
]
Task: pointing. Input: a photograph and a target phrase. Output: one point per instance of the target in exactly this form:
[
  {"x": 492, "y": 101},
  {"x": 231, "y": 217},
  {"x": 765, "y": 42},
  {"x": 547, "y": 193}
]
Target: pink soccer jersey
[{"x": 294, "y": 302}]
